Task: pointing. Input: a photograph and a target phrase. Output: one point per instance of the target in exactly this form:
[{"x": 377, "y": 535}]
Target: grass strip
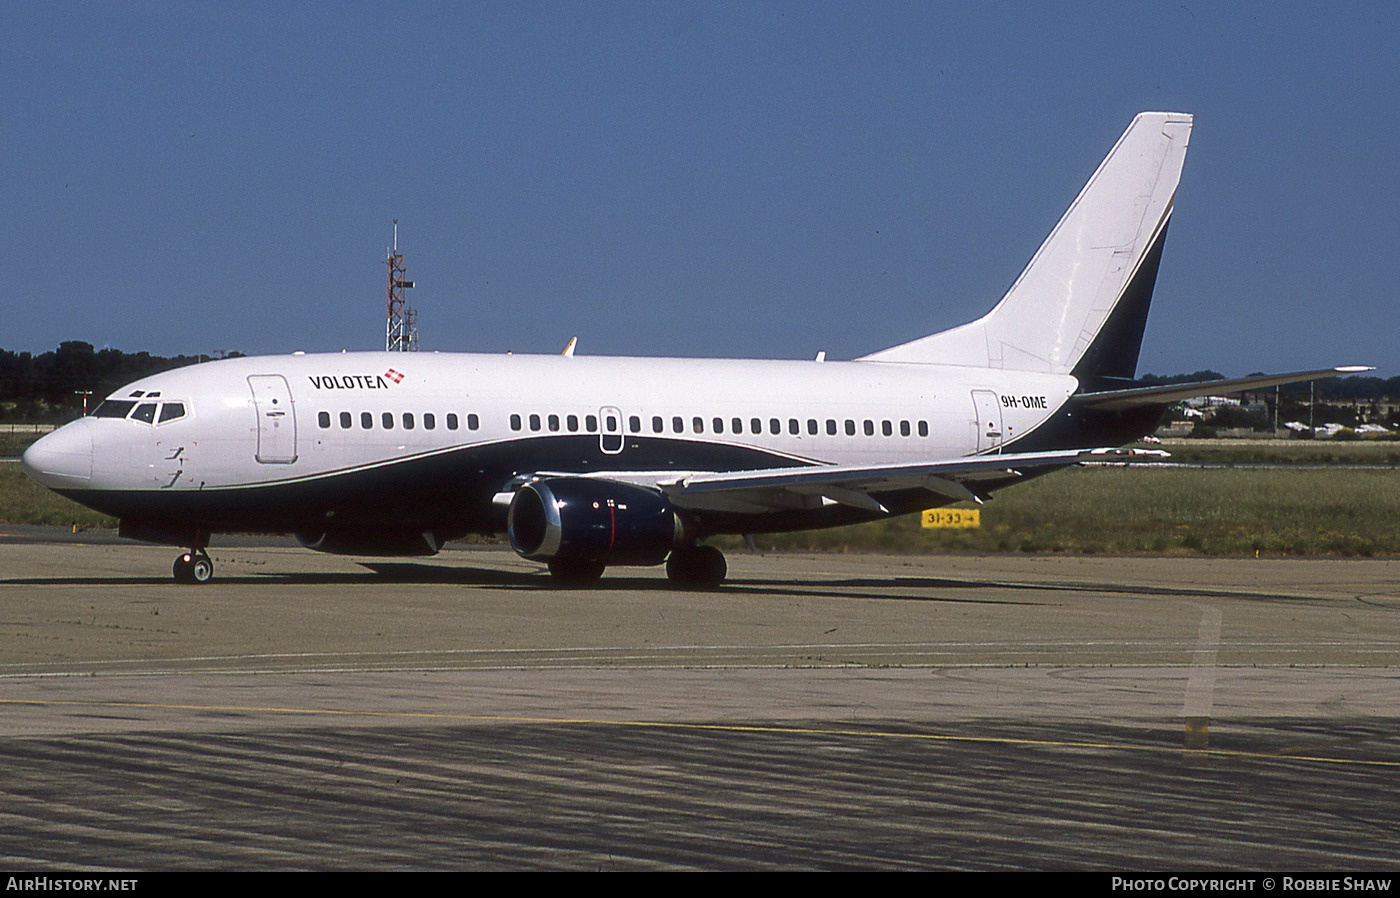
[{"x": 1159, "y": 511}]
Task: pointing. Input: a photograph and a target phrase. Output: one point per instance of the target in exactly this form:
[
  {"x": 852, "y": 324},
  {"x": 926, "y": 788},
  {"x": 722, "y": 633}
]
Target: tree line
[{"x": 48, "y": 388}]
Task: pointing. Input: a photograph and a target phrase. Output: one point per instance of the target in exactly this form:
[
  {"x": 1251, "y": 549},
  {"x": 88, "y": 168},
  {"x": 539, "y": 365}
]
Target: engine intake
[{"x": 581, "y": 520}]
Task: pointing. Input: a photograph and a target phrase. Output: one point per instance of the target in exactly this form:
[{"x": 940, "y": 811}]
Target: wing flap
[{"x": 860, "y": 486}]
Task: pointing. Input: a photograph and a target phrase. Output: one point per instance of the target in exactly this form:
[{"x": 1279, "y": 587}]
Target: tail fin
[{"x": 1081, "y": 305}]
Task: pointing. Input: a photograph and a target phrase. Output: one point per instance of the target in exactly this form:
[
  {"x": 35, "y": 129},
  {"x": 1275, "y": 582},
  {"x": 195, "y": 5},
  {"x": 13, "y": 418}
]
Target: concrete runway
[{"x": 820, "y": 712}]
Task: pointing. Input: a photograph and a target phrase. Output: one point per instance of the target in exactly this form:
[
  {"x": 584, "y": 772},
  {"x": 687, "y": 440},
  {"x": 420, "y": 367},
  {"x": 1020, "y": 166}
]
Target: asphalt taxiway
[{"x": 820, "y": 711}]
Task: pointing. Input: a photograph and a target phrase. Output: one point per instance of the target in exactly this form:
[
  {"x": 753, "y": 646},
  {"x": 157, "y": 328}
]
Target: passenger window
[
  {"x": 738, "y": 425},
  {"x": 812, "y": 426},
  {"x": 719, "y": 425},
  {"x": 793, "y": 427},
  {"x": 408, "y": 420},
  {"x": 146, "y": 412},
  {"x": 904, "y": 428},
  {"x": 850, "y": 428},
  {"x": 388, "y": 419},
  {"x": 572, "y": 422},
  {"x": 923, "y": 428},
  {"x": 173, "y": 410},
  {"x": 657, "y": 424},
  {"x": 590, "y": 423},
  {"x": 677, "y": 425},
  {"x": 831, "y": 427},
  {"x": 887, "y": 428},
  {"x": 634, "y": 424},
  {"x": 535, "y": 422},
  {"x": 322, "y": 418},
  {"x": 473, "y": 422},
  {"x": 451, "y": 420},
  {"x": 429, "y": 421},
  {"x": 553, "y": 423},
  {"x": 699, "y": 423},
  {"x": 366, "y": 420},
  {"x": 346, "y": 420},
  {"x": 514, "y": 422},
  {"x": 869, "y": 427}
]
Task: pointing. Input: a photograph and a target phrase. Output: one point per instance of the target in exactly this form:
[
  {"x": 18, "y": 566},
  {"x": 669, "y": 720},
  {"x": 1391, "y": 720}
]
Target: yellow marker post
[{"x": 955, "y": 518}]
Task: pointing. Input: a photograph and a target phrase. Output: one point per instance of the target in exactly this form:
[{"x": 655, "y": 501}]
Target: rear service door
[{"x": 988, "y": 405}]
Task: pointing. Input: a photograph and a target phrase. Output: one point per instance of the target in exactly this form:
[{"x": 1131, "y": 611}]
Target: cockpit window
[
  {"x": 145, "y": 412},
  {"x": 113, "y": 408},
  {"x": 169, "y": 411}
]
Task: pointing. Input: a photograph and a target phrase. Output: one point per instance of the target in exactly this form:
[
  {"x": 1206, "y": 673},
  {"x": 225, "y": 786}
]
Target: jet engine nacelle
[
  {"x": 371, "y": 541},
  {"x": 578, "y": 520}
]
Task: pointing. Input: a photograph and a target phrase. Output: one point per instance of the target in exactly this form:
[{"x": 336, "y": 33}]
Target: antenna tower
[{"x": 401, "y": 332}]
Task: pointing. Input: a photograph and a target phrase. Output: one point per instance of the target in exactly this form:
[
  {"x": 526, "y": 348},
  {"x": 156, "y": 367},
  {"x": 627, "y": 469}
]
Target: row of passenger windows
[
  {"x": 408, "y": 420},
  {"x": 697, "y": 424},
  {"x": 678, "y": 424}
]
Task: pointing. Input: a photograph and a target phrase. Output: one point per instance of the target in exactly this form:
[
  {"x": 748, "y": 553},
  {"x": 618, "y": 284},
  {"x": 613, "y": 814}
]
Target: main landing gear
[
  {"x": 575, "y": 573},
  {"x": 688, "y": 567},
  {"x": 696, "y": 567},
  {"x": 195, "y": 566}
]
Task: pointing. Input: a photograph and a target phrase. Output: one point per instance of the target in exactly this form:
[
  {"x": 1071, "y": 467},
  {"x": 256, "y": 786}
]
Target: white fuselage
[
  {"x": 264, "y": 420},
  {"x": 409, "y": 443}
]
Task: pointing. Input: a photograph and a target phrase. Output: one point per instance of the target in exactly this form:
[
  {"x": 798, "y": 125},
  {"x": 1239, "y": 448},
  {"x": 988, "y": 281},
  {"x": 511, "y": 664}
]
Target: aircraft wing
[
  {"x": 1121, "y": 400},
  {"x": 773, "y": 489}
]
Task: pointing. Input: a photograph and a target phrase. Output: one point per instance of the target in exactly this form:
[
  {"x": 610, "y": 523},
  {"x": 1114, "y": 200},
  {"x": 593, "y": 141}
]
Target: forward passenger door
[{"x": 277, "y": 424}]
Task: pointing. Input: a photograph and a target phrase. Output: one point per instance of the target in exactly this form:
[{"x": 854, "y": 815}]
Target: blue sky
[{"x": 760, "y": 179}]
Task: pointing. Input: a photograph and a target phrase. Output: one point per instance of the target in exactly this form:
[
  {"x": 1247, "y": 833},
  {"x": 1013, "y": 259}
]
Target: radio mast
[{"x": 401, "y": 331}]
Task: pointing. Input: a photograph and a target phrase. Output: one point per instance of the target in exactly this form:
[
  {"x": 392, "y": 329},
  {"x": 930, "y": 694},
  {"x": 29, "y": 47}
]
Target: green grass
[
  {"x": 1286, "y": 452},
  {"x": 12, "y": 445},
  {"x": 22, "y": 501},
  {"x": 1169, "y": 511}
]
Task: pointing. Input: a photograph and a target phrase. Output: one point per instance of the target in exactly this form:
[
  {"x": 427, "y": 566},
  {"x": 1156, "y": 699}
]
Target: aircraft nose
[{"x": 62, "y": 458}]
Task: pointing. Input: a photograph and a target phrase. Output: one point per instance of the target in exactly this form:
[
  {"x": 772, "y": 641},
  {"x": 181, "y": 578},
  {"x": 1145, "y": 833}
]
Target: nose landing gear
[{"x": 195, "y": 566}]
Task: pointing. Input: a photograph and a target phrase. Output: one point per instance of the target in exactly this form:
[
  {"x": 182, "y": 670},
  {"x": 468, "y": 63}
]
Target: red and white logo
[{"x": 395, "y": 376}]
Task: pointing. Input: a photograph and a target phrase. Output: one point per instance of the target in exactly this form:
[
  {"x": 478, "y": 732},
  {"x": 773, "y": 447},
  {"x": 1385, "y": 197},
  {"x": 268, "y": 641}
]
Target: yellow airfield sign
[{"x": 935, "y": 518}]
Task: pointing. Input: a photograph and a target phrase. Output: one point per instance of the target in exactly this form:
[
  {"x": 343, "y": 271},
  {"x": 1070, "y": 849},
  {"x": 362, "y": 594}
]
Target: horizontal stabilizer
[{"x": 1138, "y": 397}]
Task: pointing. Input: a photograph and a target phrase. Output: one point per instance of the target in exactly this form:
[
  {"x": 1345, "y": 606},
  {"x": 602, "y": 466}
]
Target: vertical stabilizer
[{"x": 1081, "y": 305}]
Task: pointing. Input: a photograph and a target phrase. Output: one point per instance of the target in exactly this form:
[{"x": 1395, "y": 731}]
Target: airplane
[{"x": 592, "y": 462}]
